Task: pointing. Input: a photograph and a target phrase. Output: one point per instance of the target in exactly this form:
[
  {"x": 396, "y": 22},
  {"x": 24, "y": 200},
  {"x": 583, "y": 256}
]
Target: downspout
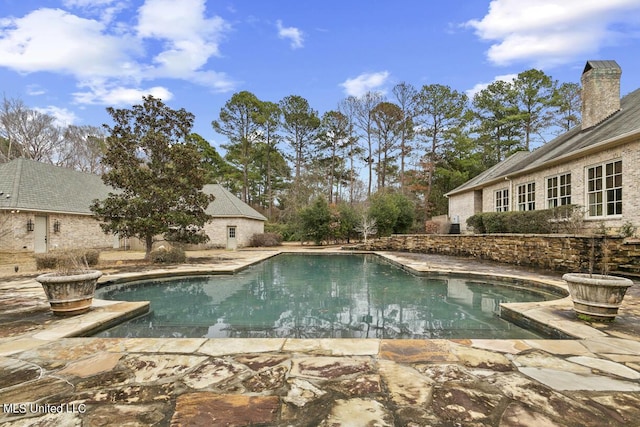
[{"x": 511, "y": 195}]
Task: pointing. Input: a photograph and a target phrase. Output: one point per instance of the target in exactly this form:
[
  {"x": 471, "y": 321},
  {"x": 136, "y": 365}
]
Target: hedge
[
  {"x": 67, "y": 259},
  {"x": 544, "y": 221}
]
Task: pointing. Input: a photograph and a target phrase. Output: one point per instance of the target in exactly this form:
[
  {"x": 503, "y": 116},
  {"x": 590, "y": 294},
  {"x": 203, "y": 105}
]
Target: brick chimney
[{"x": 600, "y": 91}]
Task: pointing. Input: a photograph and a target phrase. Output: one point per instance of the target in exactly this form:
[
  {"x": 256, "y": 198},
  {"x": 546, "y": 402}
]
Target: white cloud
[
  {"x": 480, "y": 86},
  {"x": 110, "y": 61},
  {"x": 88, "y": 3},
  {"x": 105, "y": 9},
  {"x": 101, "y": 93},
  {"x": 549, "y": 32},
  {"x": 56, "y": 41},
  {"x": 364, "y": 83},
  {"x": 295, "y": 35},
  {"x": 35, "y": 90},
  {"x": 63, "y": 116},
  {"x": 190, "y": 40}
]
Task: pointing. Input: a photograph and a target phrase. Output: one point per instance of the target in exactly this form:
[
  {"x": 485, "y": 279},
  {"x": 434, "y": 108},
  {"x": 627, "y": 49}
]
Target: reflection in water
[{"x": 320, "y": 296}]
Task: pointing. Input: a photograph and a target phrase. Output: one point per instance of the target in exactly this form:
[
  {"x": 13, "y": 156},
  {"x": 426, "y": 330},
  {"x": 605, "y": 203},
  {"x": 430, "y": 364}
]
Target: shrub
[
  {"x": 494, "y": 222},
  {"x": 315, "y": 220},
  {"x": 543, "y": 221},
  {"x": 172, "y": 255},
  {"x": 628, "y": 229},
  {"x": 265, "y": 239},
  {"x": 475, "y": 223},
  {"x": 289, "y": 231},
  {"x": 47, "y": 261},
  {"x": 393, "y": 212},
  {"x": 92, "y": 257},
  {"x": 68, "y": 260}
]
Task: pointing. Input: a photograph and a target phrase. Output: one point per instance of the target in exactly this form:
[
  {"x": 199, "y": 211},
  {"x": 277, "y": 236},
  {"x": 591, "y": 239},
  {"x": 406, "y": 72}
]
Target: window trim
[
  {"x": 558, "y": 198},
  {"x": 603, "y": 190},
  {"x": 501, "y": 195},
  {"x": 529, "y": 196}
]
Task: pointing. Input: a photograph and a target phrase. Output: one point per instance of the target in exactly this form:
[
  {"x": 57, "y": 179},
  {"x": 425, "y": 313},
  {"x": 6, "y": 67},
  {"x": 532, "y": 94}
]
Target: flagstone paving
[{"x": 51, "y": 376}]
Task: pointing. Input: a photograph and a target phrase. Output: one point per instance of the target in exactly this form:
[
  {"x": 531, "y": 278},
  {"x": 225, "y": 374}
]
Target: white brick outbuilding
[{"x": 45, "y": 207}]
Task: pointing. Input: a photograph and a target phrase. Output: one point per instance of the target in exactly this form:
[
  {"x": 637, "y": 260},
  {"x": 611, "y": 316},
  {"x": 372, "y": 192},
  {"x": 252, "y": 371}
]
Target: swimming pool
[{"x": 322, "y": 296}]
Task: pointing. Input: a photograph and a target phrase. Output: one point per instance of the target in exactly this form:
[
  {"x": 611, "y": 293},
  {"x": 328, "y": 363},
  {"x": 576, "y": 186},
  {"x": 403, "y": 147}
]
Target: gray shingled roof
[
  {"x": 228, "y": 205},
  {"x": 30, "y": 185},
  {"x": 624, "y": 121},
  {"x": 34, "y": 186}
]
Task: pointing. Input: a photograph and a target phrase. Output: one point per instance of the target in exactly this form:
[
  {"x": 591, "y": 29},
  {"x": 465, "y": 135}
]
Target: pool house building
[{"x": 45, "y": 207}]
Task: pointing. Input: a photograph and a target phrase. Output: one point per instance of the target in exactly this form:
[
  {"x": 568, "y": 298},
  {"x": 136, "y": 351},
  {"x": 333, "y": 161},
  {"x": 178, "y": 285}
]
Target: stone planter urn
[
  {"x": 596, "y": 297},
  {"x": 70, "y": 294}
]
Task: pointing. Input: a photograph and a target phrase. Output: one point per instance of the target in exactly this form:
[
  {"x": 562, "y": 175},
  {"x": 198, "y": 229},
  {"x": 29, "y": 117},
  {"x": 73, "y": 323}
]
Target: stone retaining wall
[{"x": 553, "y": 252}]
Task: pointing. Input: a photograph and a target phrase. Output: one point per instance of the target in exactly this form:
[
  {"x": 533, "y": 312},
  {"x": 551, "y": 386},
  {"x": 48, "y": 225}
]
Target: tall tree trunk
[
  {"x": 370, "y": 161},
  {"x": 148, "y": 242}
]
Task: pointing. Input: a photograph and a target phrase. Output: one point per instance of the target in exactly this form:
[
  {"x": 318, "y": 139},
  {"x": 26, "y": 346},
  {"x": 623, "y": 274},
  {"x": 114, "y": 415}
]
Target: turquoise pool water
[{"x": 321, "y": 296}]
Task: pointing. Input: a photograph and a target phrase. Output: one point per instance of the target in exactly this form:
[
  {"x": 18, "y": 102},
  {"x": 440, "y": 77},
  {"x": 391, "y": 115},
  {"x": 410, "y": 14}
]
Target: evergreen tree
[
  {"x": 497, "y": 122},
  {"x": 239, "y": 121},
  {"x": 333, "y": 139},
  {"x": 156, "y": 174},
  {"x": 300, "y": 125},
  {"x": 534, "y": 94}
]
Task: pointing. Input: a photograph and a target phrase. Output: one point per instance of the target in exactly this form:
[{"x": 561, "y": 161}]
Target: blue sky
[{"x": 73, "y": 58}]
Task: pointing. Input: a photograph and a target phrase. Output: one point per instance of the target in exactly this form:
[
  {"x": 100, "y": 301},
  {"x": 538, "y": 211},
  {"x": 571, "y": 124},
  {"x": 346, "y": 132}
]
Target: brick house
[
  {"x": 594, "y": 165},
  {"x": 45, "y": 207}
]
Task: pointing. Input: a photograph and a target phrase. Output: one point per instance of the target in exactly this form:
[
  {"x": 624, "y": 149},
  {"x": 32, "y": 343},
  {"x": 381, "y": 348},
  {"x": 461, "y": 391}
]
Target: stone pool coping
[
  {"x": 553, "y": 317},
  {"x": 322, "y": 381}
]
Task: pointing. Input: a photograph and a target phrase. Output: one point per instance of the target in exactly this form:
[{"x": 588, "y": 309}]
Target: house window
[
  {"x": 527, "y": 197},
  {"x": 604, "y": 189},
  {"x": 559, "y": 190},
  {"x": 502, "y": 200}
]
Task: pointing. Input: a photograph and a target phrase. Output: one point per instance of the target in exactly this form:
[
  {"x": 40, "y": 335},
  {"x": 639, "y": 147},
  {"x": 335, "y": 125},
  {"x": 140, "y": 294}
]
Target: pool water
[{"x": 321, "y": 296}]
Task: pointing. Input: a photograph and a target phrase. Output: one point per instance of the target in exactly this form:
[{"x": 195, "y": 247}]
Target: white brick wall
[
  {"x": 245, "y": 228},
  {"x": 629, "y": 153},
  {"x": 464, "y": 206},
  {"x": 80, "y": 231},
  {"x": 76, "y": 231}
]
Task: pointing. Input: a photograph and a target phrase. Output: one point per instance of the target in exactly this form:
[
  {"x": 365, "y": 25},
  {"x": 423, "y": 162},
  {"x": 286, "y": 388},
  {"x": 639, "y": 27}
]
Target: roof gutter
[
  {"x": 607, "y": 143},
  {"x": 50, "y": 212}
]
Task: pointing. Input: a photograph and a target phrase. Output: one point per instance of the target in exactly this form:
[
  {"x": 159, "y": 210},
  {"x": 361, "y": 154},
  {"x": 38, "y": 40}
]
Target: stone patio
[{"x": 50, "y": 376}]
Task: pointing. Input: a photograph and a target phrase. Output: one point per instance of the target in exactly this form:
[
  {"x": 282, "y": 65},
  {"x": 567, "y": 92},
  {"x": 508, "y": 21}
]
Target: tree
[
  {"x": 269, "y": 121},
  {"x": 300, "y": 124},
  {"x": 270, "y": 174},
  {"x": 217, "y": 170},
  {"x": 156, "y": 174},
  {"x": 348, "y": 107},
  {"x": 334, "y": 137},
  {"x": 83, "y": 148},
  {"x": 364, "y": 121},
  {"x": 8, "y": 150},
  {"x": 28, "y": 133},
  {"x": 442, "y": 114},
  {"x": 388, "y": 121},
  {"x": 458, "y": 164},
  {"x": 497, "y": 122},
  {"x": 348, "y": 217},
  {"x": 239, "y": 122},
  {"x": 315, "y": 220},
  {"x": 392, "y": 212},
  {"x": 406, "y": 98},
  {"x": 534, "y": 93},
  {"x": 567, "y": 100},
  {"x": 367, "y": 226}
]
